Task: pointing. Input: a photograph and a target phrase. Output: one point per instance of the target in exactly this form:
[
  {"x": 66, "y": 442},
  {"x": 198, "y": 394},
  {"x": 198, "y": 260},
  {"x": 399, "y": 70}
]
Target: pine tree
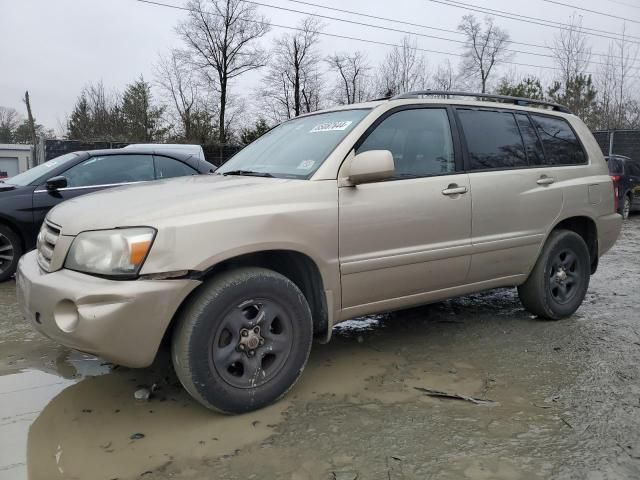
[{"x": 141, "y": 119}]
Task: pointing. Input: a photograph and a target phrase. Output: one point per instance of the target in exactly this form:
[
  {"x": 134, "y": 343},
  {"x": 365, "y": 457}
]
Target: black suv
[
  {"x": 625, "y": 173},
  {"x": 26, "y": 198}
]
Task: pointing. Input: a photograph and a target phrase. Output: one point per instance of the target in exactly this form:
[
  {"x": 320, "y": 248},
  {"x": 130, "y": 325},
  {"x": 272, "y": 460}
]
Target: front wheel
[
  {"x": 10, "y": 251},
  {"x": 559, "y": 281},
  {"x": 242, "y": 340}
]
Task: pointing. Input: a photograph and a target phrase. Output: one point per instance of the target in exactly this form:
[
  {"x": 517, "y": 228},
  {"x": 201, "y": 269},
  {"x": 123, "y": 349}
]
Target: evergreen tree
[
  {"x": 140, "y": 118},
  {"x": 250, "y": 134},
  {"x": 579, "y": 95},
  {"x": 528, "y": 87},
  {"x": 80, "y": 125}
]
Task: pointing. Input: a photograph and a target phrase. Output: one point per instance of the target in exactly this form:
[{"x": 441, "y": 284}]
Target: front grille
[{"x": 47, "y": 239}]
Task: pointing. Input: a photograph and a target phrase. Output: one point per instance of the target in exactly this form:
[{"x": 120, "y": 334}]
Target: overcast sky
[{"x": 54, "y": 47}]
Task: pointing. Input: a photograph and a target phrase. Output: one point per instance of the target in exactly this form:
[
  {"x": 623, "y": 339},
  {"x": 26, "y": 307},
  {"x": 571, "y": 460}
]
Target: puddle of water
[{"x": 22, "y": 397}]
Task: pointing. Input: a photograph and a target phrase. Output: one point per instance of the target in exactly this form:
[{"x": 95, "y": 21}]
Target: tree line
[{"x": 193, "y": 98}]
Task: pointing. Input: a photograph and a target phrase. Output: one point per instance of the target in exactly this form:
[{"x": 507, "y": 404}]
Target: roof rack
[{"x": 502, "y": 98}]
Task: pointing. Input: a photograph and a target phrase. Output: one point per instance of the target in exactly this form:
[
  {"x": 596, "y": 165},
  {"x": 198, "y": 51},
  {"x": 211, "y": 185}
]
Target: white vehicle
[{"x": 195, "y": 150}]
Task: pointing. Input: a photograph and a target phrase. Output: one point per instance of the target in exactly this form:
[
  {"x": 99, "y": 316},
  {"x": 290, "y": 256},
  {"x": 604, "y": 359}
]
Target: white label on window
[
  {"x": 330, "y": 126},
  {"x": 306, "y": 165}
]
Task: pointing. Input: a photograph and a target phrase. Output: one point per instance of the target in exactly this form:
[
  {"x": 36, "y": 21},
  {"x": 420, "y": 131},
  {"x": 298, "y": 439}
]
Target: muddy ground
[{"x": 567, "y": 399}]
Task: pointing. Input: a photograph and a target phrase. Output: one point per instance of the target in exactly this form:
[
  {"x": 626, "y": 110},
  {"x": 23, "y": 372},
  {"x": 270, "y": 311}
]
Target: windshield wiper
[{"x": 249, "y": 173}]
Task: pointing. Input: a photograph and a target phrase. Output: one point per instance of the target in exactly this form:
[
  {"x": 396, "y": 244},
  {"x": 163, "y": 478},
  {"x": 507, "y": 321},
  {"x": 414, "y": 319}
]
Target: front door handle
[
  {"x": 454, "y": 189},
  {"x": 544, "y": 180}
]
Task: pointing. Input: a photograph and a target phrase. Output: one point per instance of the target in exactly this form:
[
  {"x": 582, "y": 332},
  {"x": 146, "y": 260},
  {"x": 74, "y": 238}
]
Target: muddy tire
[
  {"x": 559, "y": 281},
  {"x": 10, "y": 252},
  {"x": 242, "y": 340}
]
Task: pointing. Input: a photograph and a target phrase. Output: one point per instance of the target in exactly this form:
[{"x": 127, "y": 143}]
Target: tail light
[{"x": 615, "y": 179}]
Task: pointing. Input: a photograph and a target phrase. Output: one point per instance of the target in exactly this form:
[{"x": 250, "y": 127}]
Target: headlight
[{"x": 118, "y": 252}]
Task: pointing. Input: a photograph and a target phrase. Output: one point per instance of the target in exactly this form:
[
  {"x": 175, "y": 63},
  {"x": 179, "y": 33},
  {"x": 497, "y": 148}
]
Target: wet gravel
[{"x": 567, "y": 399}]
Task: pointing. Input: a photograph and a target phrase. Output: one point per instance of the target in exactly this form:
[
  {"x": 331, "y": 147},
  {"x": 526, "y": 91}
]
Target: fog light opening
[{"x": 66, "y": 316}]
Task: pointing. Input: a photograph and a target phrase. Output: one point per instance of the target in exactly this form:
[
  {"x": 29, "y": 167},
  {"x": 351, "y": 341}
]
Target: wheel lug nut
[
  {"x": 241, "y": 347},
  {"x": 244, "y": 333},
  {"x": 256, "y": 330}
]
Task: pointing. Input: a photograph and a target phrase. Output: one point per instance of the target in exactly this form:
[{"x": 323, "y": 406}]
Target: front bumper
[{"x": 120, "y": 321}]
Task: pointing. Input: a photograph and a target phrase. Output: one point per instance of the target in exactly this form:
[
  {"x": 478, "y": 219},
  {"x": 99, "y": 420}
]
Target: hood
[{"x": 165, "y": 201}]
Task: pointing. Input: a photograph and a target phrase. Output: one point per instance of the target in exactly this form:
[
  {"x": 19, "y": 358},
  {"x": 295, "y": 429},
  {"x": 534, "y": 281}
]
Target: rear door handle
[
  {"x": 454, "y": 189},
  {"x": 544, "y": 180}
]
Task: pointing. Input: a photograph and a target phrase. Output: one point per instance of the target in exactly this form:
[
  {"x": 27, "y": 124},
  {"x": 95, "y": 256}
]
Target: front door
[
  {"x": 95, "y": 173},
  {"x": 409, "y": 235}
]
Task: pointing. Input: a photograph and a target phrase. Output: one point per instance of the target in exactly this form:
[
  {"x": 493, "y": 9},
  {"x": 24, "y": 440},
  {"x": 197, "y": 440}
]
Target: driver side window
[
  {"x": 111, "y": 169},
  {"x": 419, "y": 139}
]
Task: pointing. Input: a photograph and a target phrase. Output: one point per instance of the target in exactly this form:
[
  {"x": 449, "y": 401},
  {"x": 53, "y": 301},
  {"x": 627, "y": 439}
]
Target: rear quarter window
[{"x": 560, "y": 144}]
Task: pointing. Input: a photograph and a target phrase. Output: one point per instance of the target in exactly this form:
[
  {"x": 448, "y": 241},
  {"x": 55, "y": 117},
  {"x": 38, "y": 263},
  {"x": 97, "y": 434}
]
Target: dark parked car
[
  {"x": 625, "y": 173},
  {"x": 26, "y": 198}
]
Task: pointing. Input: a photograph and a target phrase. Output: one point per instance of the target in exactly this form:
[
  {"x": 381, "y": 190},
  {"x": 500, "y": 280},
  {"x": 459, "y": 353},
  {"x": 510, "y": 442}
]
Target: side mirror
[
  {"x": 55, "y": 183},
  {"x": 371, "y": 166}
]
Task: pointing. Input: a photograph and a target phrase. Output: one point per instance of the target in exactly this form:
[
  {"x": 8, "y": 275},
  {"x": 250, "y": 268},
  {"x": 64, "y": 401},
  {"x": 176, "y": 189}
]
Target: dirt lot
[{"x": 567, "y": 399}]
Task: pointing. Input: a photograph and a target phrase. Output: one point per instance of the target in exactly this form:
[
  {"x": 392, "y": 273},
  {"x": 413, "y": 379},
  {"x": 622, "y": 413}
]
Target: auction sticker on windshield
[{"x": 330, "y": 126}]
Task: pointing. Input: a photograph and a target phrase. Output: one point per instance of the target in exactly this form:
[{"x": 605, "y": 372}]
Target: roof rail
[{"x": 502, "y": 98}]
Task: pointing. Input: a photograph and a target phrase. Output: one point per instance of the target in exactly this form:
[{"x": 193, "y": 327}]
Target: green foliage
[
  {"x": 249, "y": 134},
  {"x": 579, "y": 95},
  {"x": 142, "y": 121},
  {"x": 22, "y": 134},
  {"x": 130, "y": 117},
  {"x": 528, "y": 87},
  {"x": 79, "y": 126}
]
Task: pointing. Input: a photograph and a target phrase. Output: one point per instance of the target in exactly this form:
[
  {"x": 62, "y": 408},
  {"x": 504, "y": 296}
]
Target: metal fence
[{"x": 619, "y": 142}]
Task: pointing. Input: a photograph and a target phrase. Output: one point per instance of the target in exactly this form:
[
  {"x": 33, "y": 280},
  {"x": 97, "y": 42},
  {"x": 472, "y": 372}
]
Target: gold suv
[{"x": 350, "y": 211}]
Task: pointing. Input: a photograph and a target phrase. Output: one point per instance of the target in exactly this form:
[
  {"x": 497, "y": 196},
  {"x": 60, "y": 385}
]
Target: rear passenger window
[
  {"x": 169, "y": 168},
  {"x": 493, "y": 139},
  {"x": 532, "y": 145},
  {"x": 420, "y": 141},
  {"x": 561, "y": 147}
]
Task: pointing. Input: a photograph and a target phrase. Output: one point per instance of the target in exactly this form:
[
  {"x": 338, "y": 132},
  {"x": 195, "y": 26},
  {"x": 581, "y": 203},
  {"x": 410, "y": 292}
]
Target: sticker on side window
[{"x": 330, "y": 126}]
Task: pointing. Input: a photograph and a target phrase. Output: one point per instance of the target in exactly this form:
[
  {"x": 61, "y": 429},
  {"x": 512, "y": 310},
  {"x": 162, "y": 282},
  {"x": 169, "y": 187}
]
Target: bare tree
[
  {"x": 178, "y": 81},
  {"x": 221, "y": 36},
  {"x": 293, "y": 83},
  {"x": 486, "y": 48},
  {"x": 352, "y": 71},
  {"x": 571, "y": 50},
  {"x": 616, "y": 85},
  {"x": 403, "y": 69},
  {"x": 444, "y": 78}
]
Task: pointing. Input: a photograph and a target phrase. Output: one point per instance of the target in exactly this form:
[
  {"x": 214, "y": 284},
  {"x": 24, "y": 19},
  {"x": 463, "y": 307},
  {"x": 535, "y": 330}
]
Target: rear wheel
[
  {"x": 10, "y": 252},
  {"x": 242, "y": 341},
  {"x": 559, "y": 281},
  {"x": 626, "y": 207}
]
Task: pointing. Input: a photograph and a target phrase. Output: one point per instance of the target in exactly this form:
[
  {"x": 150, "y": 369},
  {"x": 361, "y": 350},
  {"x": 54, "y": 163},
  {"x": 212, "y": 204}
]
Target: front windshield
[
  {"x": 30, "y": 176},
  {"x": 296, "y": 148}
]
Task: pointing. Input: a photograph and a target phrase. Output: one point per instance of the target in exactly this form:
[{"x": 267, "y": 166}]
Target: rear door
[
  {"x": 409, "y": 235},
  {"x": 94, "y": 174},
  {"x": 632, "y": 168},
  {"x": 515, "y": 197}
]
